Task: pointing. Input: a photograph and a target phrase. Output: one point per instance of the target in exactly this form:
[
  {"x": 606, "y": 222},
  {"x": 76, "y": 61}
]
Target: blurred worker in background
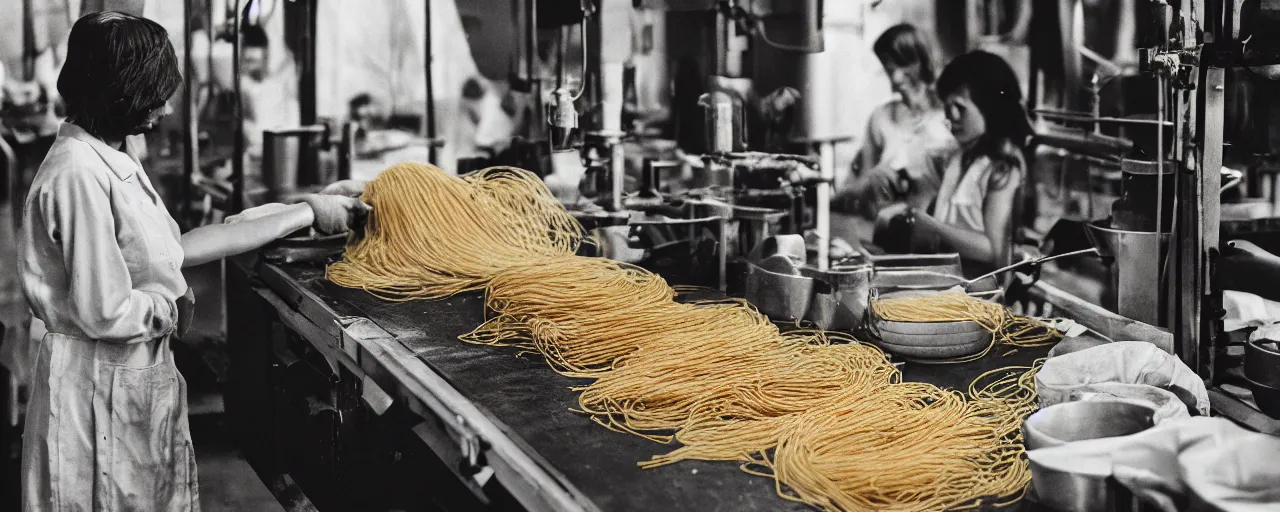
[
  {"x": 893, "y": 163},
  {"x": 974, "y": 211},
  {"x": 101, "y": 265},
  {"x": 270, "y": 90}
]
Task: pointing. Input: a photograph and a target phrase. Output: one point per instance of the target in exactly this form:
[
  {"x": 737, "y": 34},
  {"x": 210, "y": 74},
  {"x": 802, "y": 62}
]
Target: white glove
[
  {"x": 350, "y": 188},
  {"x": 334, "y": 214}
]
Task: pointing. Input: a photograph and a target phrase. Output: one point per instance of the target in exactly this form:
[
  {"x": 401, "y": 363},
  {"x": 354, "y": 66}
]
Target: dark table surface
[{"x": 524, "y": 395}]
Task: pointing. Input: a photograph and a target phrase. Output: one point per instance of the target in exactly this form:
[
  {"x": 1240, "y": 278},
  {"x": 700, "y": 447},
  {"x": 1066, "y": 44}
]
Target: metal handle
[{"x": 1033, "y": 261}]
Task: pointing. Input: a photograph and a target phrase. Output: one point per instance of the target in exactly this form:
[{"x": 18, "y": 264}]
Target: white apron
[
  {"x": 100, "y": 264},
  {"x": 102, "y": 434}
]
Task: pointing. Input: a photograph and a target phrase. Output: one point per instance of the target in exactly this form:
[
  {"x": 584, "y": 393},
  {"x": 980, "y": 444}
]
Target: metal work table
[{"x": 511, "y": 413}]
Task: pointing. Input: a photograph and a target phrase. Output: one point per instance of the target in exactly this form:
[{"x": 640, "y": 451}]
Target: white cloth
[
  {"x": 1221, "y": 464},
  {"x": 962, "y": 197},
  {"x": 106, "y": 425},
  {"x": 1246, "y": 310},
  {"x": 1131, "y": 362}
]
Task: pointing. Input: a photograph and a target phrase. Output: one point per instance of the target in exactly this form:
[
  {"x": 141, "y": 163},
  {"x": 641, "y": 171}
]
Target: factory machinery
[{"x": 343, "y": 401}]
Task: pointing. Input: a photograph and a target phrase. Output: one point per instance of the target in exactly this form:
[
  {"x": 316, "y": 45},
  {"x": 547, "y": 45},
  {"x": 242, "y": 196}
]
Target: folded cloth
[
  {"x": 1193, "y": 463},
  {"x": 1129, "y": 362}
]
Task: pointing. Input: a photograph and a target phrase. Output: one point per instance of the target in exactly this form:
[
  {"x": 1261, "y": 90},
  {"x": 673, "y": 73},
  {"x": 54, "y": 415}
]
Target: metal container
[
  {"x": 779, "y": 296},
  {"x": 1267, "y": 398},
  {"x": 1079, "y": 421},
  {"x": 1135, "y": 276},
  {"x": 723, "y": 118},
  {"x": 841, "y": 297},
  {"x": 1072, "y": 492},
  {"x": 1262, "y": 362}
]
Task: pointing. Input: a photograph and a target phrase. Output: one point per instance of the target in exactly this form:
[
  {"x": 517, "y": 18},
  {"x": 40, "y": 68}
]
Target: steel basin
[
  {"x": 1079, "y": 421},
  {"x": 840, "y": 298},
  {"x": 778, "y": 296}
]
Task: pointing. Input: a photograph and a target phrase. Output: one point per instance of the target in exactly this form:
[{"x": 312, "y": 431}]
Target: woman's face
[
  {"x": 905, "y": 80},
  {"x": 153, "y": 119},
  {"x": 967, "y": 123}
]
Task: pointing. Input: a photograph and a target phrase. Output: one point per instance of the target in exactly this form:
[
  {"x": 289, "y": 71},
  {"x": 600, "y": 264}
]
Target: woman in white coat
[{"x": 101, "y": 265}]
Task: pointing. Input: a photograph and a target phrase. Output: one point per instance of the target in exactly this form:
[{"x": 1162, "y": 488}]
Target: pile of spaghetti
[
  {"x": 832, "y": 423},
  {"x": 955, "y": 305}
]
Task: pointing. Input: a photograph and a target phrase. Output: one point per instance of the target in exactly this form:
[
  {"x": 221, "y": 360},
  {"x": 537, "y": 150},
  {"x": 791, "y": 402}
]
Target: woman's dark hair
[
  {"x": 119, "y": 69},
  {"x": 995, "y": 90},
  {"x": 902, "y": 45}
]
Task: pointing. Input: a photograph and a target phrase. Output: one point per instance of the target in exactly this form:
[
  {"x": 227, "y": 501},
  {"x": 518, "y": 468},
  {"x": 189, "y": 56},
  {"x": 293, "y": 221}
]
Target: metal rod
[
  {"x": 307, "y": 85},
  {"x": 347, "y": 150},
  {"x": 582, "y": 88},
  {"x": 1035, "y": 261},
  {"x": 531, "y": 67},
  {"x": 1086, "y": 118},
  {"x": 430, "y": 113},
  {"x": 237, "y": 159},
  {"x": 1160, "y": 106},
  {"x": 191, "y": 147},
  {"x": 563, "y": 54},
  {"x": 826, "y": 168}
]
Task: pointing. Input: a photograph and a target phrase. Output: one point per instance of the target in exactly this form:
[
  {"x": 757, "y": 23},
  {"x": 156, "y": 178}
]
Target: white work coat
[{"x": 101, "y": 265}]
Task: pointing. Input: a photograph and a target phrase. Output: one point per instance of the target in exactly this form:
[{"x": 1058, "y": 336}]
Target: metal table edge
[{"x": 526, "y": 474}]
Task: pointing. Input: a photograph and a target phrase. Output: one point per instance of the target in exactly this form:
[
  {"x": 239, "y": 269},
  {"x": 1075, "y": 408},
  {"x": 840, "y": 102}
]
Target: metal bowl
[
  {"x": 778, "y": 296},
  {"x": 1262, "y": 362},
  {"x": 1266, "y": 397},
  {"x": 1060, "y": 490},
  {"x": 841, "y": 298},
  {"x": 1079, "y": 421}
]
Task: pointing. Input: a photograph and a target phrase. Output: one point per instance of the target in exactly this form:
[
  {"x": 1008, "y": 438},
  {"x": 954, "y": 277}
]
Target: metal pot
[
  {"x": 841, "y": 297},
  {"x": 778, "y": 296},
  {"x": 1079, "y": 421}
]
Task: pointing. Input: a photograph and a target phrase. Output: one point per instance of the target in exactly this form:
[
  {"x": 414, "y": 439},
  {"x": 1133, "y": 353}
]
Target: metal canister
[{"x": 723, "y": 122}]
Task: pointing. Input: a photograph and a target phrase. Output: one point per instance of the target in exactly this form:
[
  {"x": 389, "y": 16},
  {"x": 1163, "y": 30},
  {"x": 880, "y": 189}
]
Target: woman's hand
[
  {"x": 334, "y": 214},
  {"x": 349, "y": 188},
  {"x": 892, "y": 211}
]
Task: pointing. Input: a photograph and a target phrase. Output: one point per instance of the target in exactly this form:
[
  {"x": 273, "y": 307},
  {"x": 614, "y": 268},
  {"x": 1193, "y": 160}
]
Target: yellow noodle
[
  {"x": 826, "y": 416},
  {"x": 957, "y": 306}
]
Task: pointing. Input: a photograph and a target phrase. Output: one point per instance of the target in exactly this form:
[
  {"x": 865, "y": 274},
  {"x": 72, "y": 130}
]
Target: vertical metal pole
[
  {"x": 189, "y": 96},
  {"x": 307, "y": 87},
  {"x": 429, "y": 116},
  {"x": 347, "y": 150},
  {"x": 826, "y": 166},
  {"x": 538, "y": 126},
  {"x": 270, "y": 169},
  {"x": 237, "y": 159},
  {"x": 1209, "y": 294}
]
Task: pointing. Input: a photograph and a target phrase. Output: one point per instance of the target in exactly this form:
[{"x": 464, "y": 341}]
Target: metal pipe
[
  {"x": 1062, "y": 115},
  {"x": 347, "y": 149},
  {"x": 237, "y": 160},
  {"x": 15, "y": 183},
  {"x": 1160, "y": 156},
  {"x": 189, "y": 96},
  {"x": 430, "y": 113},
  {"x": 531, "y": 68},
  {"x": 307, "y": 87},
  {"x": 617, "y": 172},
  {"x": 269, "y": 168},
  {"x": 826, "y": 167}
]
